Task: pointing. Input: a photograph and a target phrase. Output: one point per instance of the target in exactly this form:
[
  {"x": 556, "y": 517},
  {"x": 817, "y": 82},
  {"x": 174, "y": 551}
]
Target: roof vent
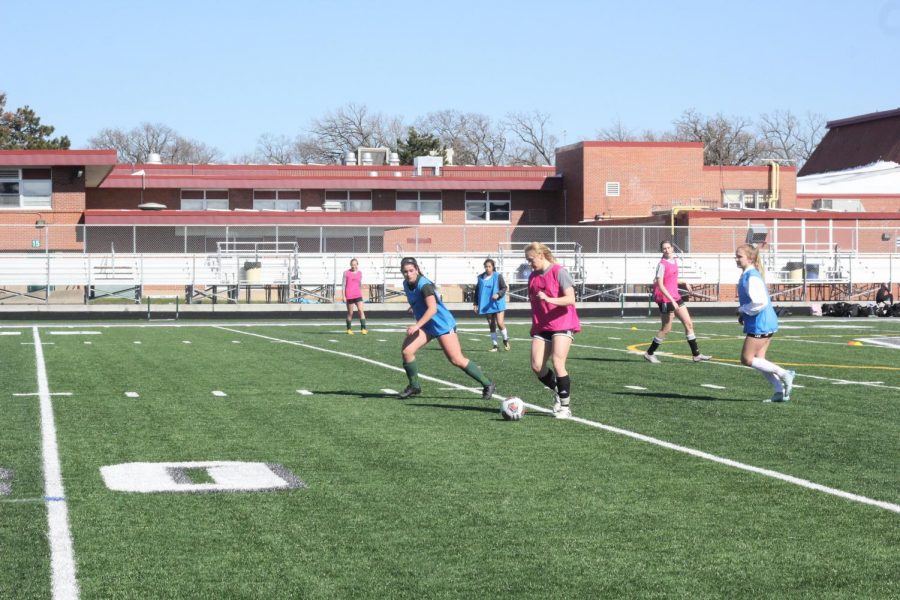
[
  {"x": 366, "y": 159},
  {"x": 350, "y": 159},
  {"x": 152, "y": 206},
  {"x": 154, "y": 158},
  {"x": 394, "y": 159},
  {"x": 430, "y": 165}
]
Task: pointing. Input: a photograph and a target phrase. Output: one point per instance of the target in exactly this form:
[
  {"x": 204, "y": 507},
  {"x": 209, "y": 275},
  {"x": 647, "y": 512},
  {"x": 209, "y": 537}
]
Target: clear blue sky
[{"x": 225, "y": 72}]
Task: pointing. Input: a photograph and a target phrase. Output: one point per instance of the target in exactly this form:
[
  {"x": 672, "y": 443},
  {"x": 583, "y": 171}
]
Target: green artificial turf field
[{"x": 286, "y": 467}]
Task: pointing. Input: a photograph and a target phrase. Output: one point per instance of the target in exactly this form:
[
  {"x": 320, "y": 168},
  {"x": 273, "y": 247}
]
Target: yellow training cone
[
  {"x": 854, "y": 343},
  {"x": 633, "y": 328}
]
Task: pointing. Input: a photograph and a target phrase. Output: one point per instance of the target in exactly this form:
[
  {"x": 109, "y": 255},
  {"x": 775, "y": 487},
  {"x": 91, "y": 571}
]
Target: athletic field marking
[
  {"x": 17, "y": 500},
  {"x": 634, "y": 387},
  {"x": 634, "y": 435},
  {"x": 74, "y": 333},
  {"x": 884, "y": 342},
  {"x": 87, "y": 343},
  {"x": 389, "y": 391},
  {"x": 51, "y": 394},
  {"x": 382, "y": 340},
  {"x": 617, "y": 339},
  {"x": 32, "y": 343},
  {"x": 62, "y": 555},
  {"x": 10, "y": 333},
  {"x": 235, "y": 341},
  {"x": 138, "y": 342},
  {"x": 304, "y": 392},
  {"x": 712, "y": 386},
  {"x": 332, "y": 341},
  {"x": 634, "y": 349},
  {"x": 132, "y": 394},
  {"x": 219, "y": 393},
  {"x": 185, "y": 341}
]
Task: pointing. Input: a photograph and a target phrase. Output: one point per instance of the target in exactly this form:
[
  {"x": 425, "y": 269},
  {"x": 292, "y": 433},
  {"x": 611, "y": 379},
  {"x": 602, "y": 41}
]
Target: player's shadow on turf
[
  {"x": 357, "y": 394},
  {"x": 455, "y": 407},
  {"x": 669, "y": 396},
  {"x": 598, "y": 359}
]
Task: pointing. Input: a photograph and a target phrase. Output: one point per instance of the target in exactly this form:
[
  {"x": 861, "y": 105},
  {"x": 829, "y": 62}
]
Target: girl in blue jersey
[
  {"x": 490, "y": 301},
  {"x": 760, "y": 323},
  {"x": 433, "y": 320}
]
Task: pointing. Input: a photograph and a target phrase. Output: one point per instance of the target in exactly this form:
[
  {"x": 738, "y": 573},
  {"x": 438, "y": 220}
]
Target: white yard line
[
  {"x": 62, "y": 554},
  {"x": 634, "y": 435}
]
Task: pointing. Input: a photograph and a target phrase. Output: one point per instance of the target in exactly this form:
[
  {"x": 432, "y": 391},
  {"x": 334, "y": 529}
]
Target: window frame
[
  {"x": 277, "y": 199},
  {"x": 424, "y": 216},
  {"x": 205, "y": 200},
  {"x": 346, "y": 202},
  {"x": 486, "y": 201},
  {"x": 21, "y": 183}
]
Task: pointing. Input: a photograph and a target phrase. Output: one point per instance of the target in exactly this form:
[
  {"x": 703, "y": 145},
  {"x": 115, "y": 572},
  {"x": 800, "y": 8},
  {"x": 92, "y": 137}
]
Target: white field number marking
[{"x": 227, "y": 476}]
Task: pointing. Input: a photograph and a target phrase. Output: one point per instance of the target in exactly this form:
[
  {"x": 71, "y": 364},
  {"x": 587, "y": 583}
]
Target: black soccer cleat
[
  {"x": 409, "y": 391},
  {"x": 488, "y": 392}
]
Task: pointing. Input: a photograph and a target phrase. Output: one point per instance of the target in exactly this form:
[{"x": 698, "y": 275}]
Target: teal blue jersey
[{"x": 442, "y": 322}]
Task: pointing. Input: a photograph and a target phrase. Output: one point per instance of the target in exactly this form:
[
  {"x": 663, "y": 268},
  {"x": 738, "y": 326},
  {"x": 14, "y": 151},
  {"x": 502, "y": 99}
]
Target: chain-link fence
[{"x": 482, "y": 239}]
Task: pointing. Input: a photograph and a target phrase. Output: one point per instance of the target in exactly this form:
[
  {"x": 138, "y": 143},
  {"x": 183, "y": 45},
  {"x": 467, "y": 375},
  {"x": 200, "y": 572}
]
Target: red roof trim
[
  {"x": 52, "y": 158},
  {"x": 848, "y": 196},
  {"x": 385, "y": 218},
  {"x": 151, "y": 181},
  {"x": 744, "y": 168},
  {"x": 740, "y": 215},
  {"x": 642, "y": 144}
]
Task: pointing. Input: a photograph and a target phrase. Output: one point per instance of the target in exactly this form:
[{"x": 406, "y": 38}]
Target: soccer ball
[{"x": 512, "y": 409}]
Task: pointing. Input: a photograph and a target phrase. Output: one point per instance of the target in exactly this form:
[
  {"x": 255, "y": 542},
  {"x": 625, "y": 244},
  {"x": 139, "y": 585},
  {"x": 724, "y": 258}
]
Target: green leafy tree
[
  {"x": 22, "y": 130},
  {"x": 418, "y": 144}
]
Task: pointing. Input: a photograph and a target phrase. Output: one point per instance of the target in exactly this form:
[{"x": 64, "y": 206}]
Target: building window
[
  {"x": 276, "y": 200},
  {"x": 429, "y": 205},
  {"x": 745, "y": 198},
  {"x": 26, "y": 188},
  {"x": 204, "y": 199},
  {"x": 350, "y": 200},
  {"x": 613, "y": 188},
  {"x": 484, "y": 207}
]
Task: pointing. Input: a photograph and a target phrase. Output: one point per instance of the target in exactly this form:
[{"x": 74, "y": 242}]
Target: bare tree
[
  {"x": 537, "y": 145},
  {"x": 136, "y": 145},
  {"x": 473, "y": 137},
  {"x": 617, "y": 132},
  {"x": 726, "y": 140},
  {"x": 450, "y": 126},
  {"x": 789, "y": 136},
  {"x": 275, "y": 149},
  {"x": 350, "y": 127}
]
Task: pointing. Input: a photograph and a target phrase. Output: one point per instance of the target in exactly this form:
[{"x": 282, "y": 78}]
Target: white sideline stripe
[
  {"x": 74, "y": 333},
  {"x": 712, "y": 386},
  {"x": 52, "y": 394},
  {"x": 62, "y": 555},
  {"x": 32, "y": 343},
  {"x": 10, "y": 333},
  {"x": 632, "y": 434}
]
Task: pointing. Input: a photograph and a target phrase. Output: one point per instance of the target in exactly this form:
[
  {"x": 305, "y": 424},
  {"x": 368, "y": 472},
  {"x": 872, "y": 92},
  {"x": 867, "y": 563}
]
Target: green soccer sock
[
  {"x": 362, "y": 323},
  {"x": 412, "y": 372},
  {"x": 349, "y": 323},
  {"x": 473, "y": 371}
]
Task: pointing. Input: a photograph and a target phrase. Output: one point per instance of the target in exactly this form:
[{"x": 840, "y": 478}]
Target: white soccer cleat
[
  {"x": 564, "y": 412},
  {"x": 701, "y": 358},
  {"x": 788, "y": 381},
  {"x": 776, "y": 397},
  {"x": 651, "y": 358}
]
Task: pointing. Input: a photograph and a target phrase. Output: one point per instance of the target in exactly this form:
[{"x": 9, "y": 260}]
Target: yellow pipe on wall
[{"x": 774, "y": 183}]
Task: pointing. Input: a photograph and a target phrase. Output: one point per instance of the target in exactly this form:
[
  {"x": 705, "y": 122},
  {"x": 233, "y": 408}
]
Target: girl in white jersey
[{"x": 671, "y": 305}]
